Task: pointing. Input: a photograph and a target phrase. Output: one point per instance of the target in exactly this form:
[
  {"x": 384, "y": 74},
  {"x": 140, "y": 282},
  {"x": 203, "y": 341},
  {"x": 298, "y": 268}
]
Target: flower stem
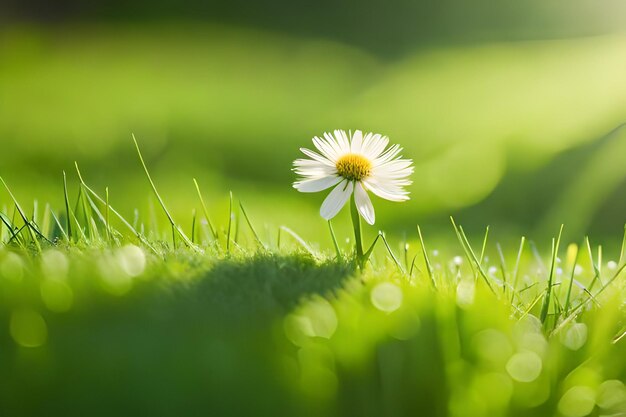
[{"x": 356, "y": 224}]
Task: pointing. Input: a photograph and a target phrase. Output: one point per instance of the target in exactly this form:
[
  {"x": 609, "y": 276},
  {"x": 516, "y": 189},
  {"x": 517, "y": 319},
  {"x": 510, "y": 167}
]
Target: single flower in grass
[{"x": 354, "y": 164}]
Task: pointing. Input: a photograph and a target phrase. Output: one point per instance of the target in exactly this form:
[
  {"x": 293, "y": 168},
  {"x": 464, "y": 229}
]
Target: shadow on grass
[
  {"x": 202, "y": 348},
  {"x": 263, "y": 287}
]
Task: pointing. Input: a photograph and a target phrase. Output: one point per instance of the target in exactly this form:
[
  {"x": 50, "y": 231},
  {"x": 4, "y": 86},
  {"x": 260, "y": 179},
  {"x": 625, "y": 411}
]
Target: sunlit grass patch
[{"x": 236, "y": 319}]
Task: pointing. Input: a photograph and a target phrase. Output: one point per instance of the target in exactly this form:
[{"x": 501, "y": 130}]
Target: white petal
[
  {"x": 364, "y": 204},
  {"x": 390, "y": 185},
  {"x": 388, "y": 193},
  {"x": 367, "y": 140},
  {"x": 316, "y": 156},
  {"x": 357, "y": 142},
  {"x": 311, "y": 168},
  {"x": 395, "y": 171},
  {"x": 313, "y": 186},
  {"x": 388, "y": 155},
  {"x": 395, "y": 165},
  {"x": 326, "y": 148},
  {"x": 336, "y": 199},
  {"x": 342, "y": 141},
  {"x": 376, "y": 146}
]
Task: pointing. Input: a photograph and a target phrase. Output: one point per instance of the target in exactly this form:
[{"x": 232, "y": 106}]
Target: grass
[{"x": 102, "y": 315}]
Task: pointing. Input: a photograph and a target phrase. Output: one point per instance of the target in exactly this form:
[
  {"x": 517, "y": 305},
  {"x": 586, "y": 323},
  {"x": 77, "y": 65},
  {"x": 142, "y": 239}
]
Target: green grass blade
[
  {"x": 46, "y": 221},
  {"x": 502, "y": 268},
  {"x": 193, "y": 226},
  {"x": 413, "y": 266},
  {"x": 31, "y": 228},
  {"x": 470, "y": 254},
  {"x": 107, "y": 219},
  {"x": 429, "y": 267},
  {"x": 484, "y": 247},
  {"x": 393, "y": 256},
  {"x": 571, "y": 282},
  {"x": 230, "y": 221},
  {"x": 516, "y": 269},
  {"x": 121, "y": 218},
  {"x": 546, "y": 301},
  {"x": 334, "y": 239},
  {"x": 58, "y": 223},
  {"x": 369, "y": 250},
  {"x": 66, "y": 197},
  {"x": 298, "y": 239},
  {"x": 621, "y": 251},
  {"x": 254, "y": 233},
  {"x": 175, "y": 228},
  {"x": 9, "y": 226},
  {"x": 206, "y": 212}
]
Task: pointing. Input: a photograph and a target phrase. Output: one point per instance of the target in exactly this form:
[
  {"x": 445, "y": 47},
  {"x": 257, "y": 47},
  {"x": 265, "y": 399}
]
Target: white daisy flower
[{"x": 355, "y": 164}]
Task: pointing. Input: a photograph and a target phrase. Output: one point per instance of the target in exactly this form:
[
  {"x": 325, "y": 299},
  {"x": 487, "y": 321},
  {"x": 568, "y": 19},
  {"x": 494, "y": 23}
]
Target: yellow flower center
[{"x": 353, "y": 167}]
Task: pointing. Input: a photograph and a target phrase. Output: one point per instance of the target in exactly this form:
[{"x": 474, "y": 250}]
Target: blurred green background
[{"x": 511, "y": 110}]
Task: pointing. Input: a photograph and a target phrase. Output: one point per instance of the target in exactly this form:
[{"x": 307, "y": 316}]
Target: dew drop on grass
[
  {"x": 386, "y": 297},
  {"x": 28, "y": 328},
  {"x": 524, "y": 366},
  {"x": 612, "y": 394},
  {"x": 578, "y": 401},
  {"x": 465, "y": 292},
  {"x": 575, "y": 336}
]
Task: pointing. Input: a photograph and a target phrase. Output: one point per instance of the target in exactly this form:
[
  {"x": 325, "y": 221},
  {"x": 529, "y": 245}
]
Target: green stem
[{"x": 356, "y": 224}]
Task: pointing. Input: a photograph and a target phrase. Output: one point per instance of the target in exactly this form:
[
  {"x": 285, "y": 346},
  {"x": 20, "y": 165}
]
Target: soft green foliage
[
  {"x": 106, "y": 316},
  {"x": 230, "y": 107}
]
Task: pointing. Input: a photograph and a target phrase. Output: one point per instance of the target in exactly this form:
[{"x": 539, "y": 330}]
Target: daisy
[{"x": 354, "y": 165}]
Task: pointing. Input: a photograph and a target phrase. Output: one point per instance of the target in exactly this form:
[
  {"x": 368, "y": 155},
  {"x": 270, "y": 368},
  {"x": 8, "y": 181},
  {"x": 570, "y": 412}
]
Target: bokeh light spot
[
  {"x": 575, "y": 336},
  {"x": 113, "y": 278},
  {"x": 524, "y": 366},
  {"x": 386, "y": 297},
  {"x": 612, "y": 394},
  {"x": 132, "y": 260},
  {"x": 492, "y": 346},
  {"x": 56, "y": 295},
  {"x": 12, "y": 267},
  {"x": 316, "y": 318},
  {"x": 28, "y": 328},
  {"x": 578, "y": 401},
  {"x": 54, "y": 264}
]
